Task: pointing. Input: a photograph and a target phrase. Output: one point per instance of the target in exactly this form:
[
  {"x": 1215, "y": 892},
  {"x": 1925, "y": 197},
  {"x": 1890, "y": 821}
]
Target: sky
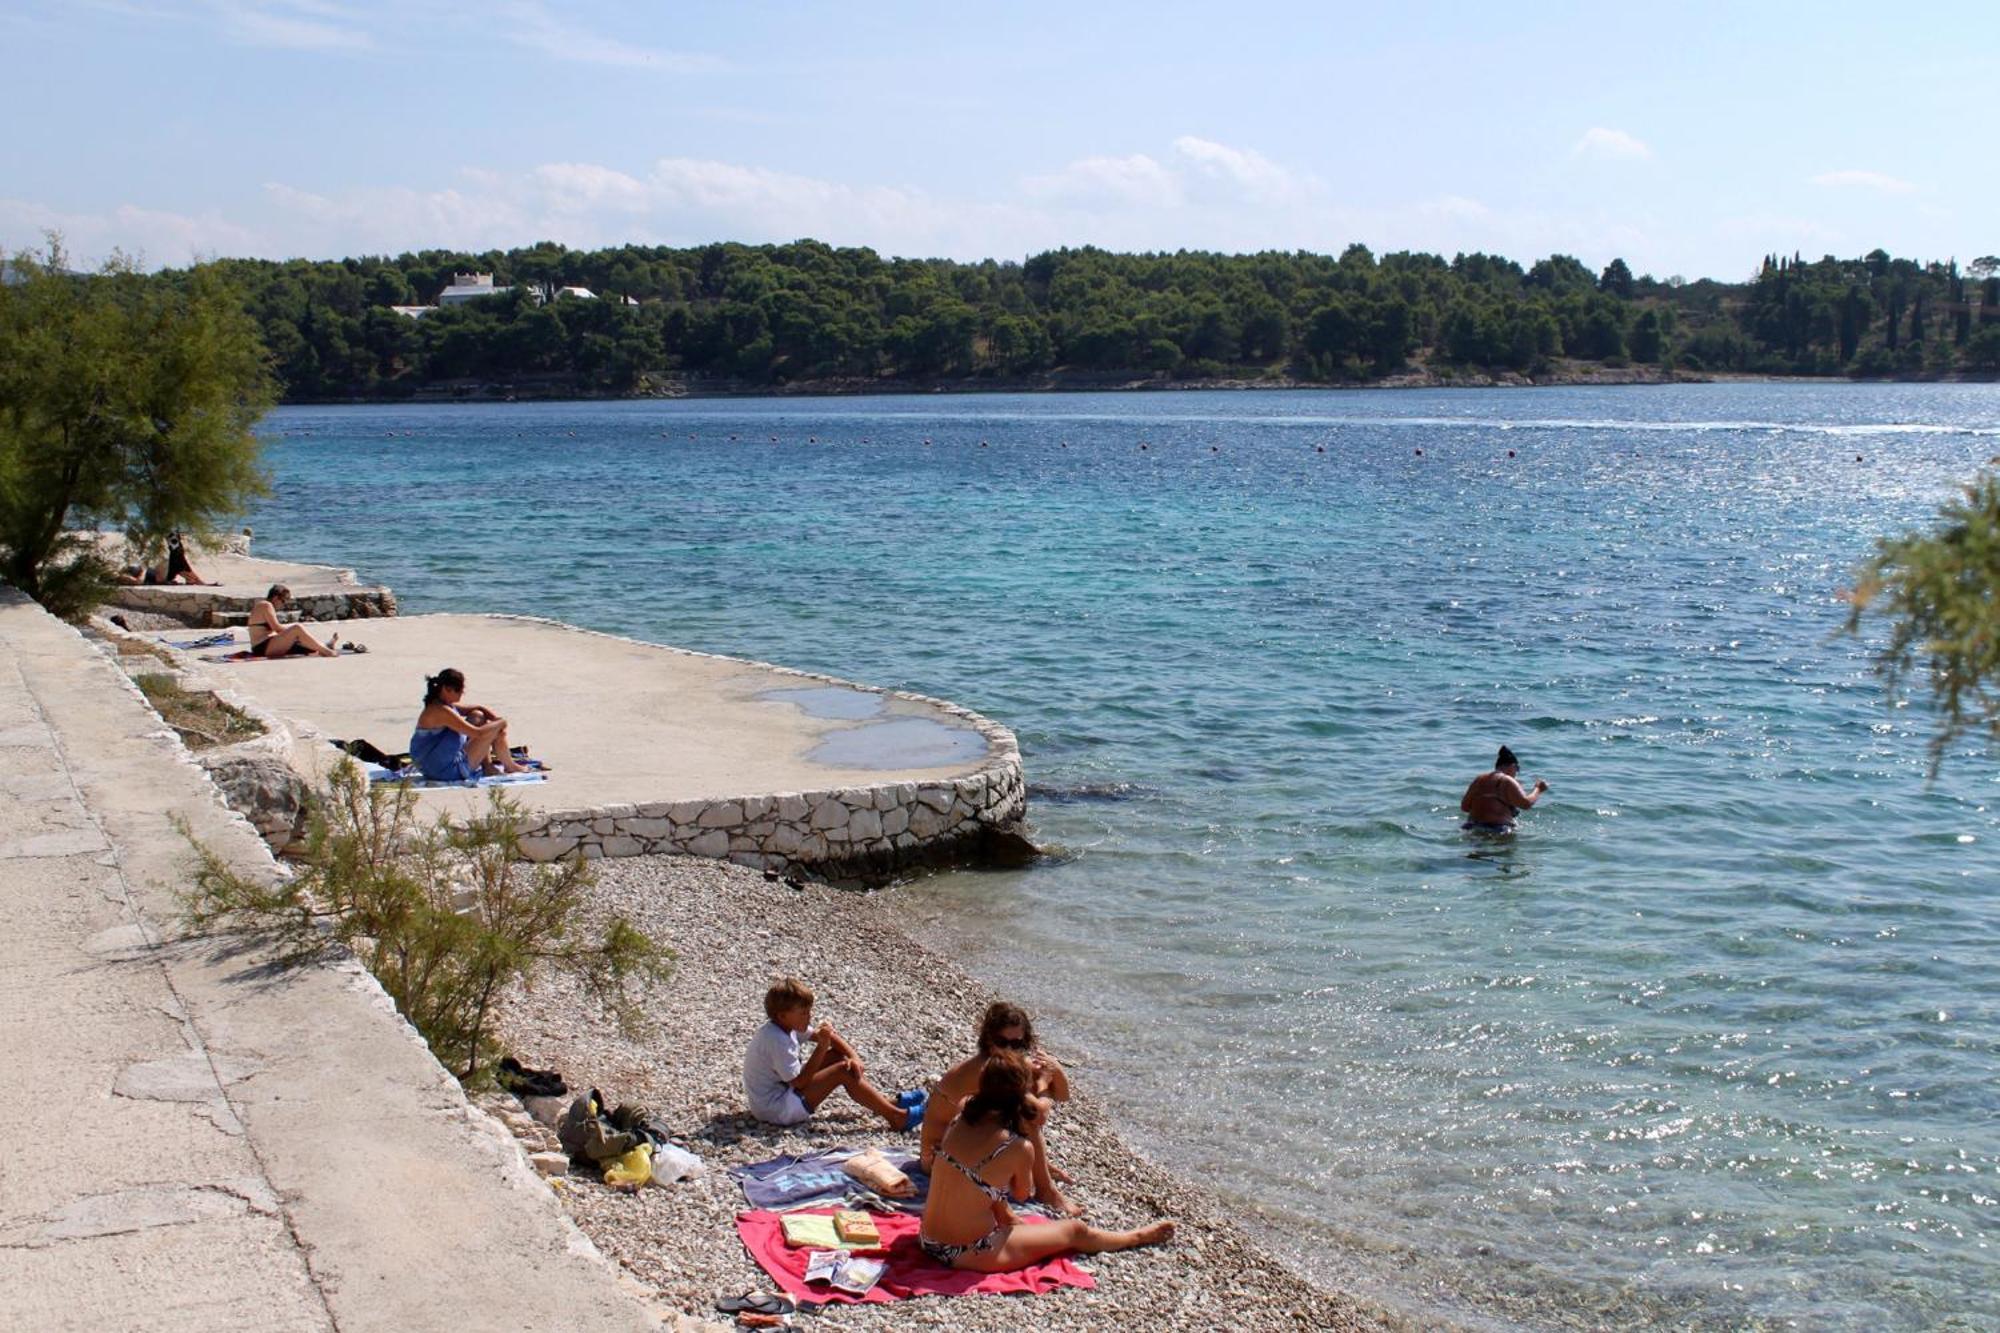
[{"x": 1687, "y": 139}]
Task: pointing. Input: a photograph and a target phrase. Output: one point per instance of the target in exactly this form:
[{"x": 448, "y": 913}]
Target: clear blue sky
[{"x": 1688, "y": 139}]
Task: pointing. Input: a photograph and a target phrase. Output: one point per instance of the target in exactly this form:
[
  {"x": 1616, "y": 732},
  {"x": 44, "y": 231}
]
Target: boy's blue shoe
[{"x": 911, "y": 1097}]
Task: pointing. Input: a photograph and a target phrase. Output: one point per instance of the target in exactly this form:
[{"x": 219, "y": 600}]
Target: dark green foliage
[
  {"x": 446, "y": 916},
  {"x": 1939, "y": 591},
  {"x": 808, "y": 312},
  {"x": 126, "y": 402}
]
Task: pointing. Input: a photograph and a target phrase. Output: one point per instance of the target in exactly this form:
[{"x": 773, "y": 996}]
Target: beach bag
[
  {"x": 587, "y": 1136},
  {"x": 872, "y": 1169}
]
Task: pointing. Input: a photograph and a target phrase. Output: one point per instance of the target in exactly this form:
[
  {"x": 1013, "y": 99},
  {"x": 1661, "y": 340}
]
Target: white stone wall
[{"x": 861, "y": 831}]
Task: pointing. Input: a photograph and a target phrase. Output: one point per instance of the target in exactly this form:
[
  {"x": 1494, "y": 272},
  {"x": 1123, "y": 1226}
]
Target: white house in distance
[
  {"x": 473, "y": 286},
  {"x": 470, "y": 287}
]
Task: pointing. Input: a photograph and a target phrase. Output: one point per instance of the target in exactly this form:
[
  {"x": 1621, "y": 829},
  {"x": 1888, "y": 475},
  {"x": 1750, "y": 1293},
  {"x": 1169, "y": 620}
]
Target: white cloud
[
  {"x": 150, "y": 237},
  {"x": 531, "y": 25},
  {"x": 1610, "y": 145},
  {"x": 1253, "y": 174},
  {"x": 1864, "y": 180},
  {"x": 1194, "y": 193},
  {"x": 1136, "y": 180},
  {"x": 1458, "y": 207},
  {"x": 292, "y": 25}
]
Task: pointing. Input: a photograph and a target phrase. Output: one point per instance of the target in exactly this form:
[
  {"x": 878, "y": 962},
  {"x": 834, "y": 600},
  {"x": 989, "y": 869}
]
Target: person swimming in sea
[{"x": 1494, "y": 798}]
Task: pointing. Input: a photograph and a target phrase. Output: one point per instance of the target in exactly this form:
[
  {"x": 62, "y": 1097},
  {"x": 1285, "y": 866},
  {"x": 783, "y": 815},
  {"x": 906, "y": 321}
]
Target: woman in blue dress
[{"x": 456, "y": 741}]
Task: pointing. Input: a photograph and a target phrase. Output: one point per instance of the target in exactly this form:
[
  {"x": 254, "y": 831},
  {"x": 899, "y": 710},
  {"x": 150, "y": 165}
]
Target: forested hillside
[{"x": 744, "y": 316}]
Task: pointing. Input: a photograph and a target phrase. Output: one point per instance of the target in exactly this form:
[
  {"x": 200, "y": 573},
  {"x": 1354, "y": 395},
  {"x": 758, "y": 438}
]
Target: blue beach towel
[
  {"x": 377, "y": 773},
  {"x": 212, "y": 641}
]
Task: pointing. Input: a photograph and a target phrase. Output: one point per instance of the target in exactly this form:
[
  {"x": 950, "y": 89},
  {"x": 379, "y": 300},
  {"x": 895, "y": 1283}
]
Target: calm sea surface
[{"x": 1713, "y": 1042}]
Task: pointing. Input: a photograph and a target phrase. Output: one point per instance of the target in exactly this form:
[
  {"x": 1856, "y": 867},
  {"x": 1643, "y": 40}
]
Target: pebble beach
[{"x": 911, "y": 1014}]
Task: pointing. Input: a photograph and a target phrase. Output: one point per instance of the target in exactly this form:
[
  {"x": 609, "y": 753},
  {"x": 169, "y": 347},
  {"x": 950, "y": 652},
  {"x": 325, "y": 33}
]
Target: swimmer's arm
[{"x": 1516, "y": 796}]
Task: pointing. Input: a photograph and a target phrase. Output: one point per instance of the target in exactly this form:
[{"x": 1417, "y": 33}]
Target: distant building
[
  {"x": 413, "y": 311},
  {"x": 581, "y": 293},
  {"x": 470, "y": 287}
]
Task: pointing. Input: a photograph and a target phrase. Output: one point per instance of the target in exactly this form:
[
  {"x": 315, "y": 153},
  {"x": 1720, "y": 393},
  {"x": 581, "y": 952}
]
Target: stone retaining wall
[
  {"x": 205, "y": 608},
  {"x": 858, "y": 834}
]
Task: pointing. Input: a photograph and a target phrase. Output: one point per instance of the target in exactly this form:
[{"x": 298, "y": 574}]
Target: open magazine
[{"x": 844, "y": 1270}]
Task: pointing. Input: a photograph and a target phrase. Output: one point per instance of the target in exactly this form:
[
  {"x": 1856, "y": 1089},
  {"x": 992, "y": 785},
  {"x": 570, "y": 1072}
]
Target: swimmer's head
[{"x": 1506, "y": 759}]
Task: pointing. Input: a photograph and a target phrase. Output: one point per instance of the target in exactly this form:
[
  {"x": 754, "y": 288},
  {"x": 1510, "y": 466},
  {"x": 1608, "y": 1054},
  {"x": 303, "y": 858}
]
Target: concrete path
[{"x": 193, "y": 1142}]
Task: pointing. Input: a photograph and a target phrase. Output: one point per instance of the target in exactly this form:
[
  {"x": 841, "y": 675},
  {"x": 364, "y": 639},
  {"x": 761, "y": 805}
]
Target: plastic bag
[
  {"x": 632, "y": 1170},
  {"x": 671, "y": 1164}
]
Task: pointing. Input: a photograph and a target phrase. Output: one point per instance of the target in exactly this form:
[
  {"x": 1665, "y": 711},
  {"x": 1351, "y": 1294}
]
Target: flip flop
[{"x": 754, "y": 1302}]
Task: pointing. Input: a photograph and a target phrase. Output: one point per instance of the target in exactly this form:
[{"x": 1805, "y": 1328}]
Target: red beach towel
[{"x": 909, "y": 1272}]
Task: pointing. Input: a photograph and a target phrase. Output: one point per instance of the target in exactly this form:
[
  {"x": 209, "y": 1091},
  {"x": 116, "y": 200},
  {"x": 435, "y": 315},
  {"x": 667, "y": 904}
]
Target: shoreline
[
  {"x": 447, "y": 392},
  {"x": 911, "y": 1013}
]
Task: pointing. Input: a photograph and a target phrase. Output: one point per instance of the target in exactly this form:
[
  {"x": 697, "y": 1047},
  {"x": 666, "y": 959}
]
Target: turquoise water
[{"x": 1713, "y": 1042}]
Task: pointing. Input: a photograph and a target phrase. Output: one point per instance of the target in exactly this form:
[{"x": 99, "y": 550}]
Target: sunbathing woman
[
  {"x": 268, "y": 638},
  {"x": 1006, "y": 1027},
  {"x": 448, "y": 745},
  {"x": 983, "y": 1157}
]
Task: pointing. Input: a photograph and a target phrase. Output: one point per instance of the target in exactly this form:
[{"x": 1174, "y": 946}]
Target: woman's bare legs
[
  {"x": 491, "y": 750},
  {"x": 1034, "y": 1242},
  {"x": 293, "y": 637},
  {"x": 1045, "y": 1184}
]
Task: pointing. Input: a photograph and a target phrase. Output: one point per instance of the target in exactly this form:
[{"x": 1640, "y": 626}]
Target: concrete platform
[
  {"x": 201, "y": 1142},
  {"x": 659, "y": 749},
  {"x": 237, "y": 579}
]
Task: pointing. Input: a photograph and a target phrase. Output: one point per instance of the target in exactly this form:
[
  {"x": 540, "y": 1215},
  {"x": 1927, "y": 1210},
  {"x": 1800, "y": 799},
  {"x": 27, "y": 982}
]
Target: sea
[{"x": 1712, "y": 1042}]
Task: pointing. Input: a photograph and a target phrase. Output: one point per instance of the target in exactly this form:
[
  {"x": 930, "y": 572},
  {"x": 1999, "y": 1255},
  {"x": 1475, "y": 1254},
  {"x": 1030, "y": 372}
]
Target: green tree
[
  {"x": 1939, "y": 591},
  {"x": 125, "y": 402}
]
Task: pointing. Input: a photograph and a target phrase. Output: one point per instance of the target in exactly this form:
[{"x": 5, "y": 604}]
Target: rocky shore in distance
[{"x": 910, "y": 1013}]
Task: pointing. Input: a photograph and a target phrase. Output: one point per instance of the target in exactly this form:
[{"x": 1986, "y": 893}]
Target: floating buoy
[
  {"x": 1322, "y": 448},
  {"x": 1420, "y": 453},
  {"x": 1142, "y": 448},
  {"x": 1857, "y": 458},
  {"x": 1510, "y": 453},
  {"x": 1215, "y": 448}
]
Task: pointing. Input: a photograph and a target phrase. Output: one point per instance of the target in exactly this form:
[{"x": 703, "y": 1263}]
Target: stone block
[
  {"x": 603, "y": 827},
  {"x": 756, "y": 807},
  {"x": 546, "y": 849},
  {"x": 618, "y": 811},
  {"x": 895, "y": 821},
  {"x": 686, "y": 812},
  {"x": 623, "y": 845},
  {"x": 866, "y": 824},
  {"x": 811, "y": 848},
  {"x": 830, "y": 814},
  {"x": 784, "y": 840},
  {"x": 648, "y": 828},
  {"x": 550, "y": 1163},
  {"x": 712, "y": 843},
  {"x": 743, "y": 842},
  {"x": 792, "y": 808},
  {"x": 937, "y": 798},
  {"x": 926, "y": 822},
  {"x": 723, "y": 814},
  {"x": 592, "y": 852}
]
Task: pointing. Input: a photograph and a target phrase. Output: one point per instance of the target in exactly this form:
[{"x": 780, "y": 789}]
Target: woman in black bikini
[
  {"x": 968, "y": 1220},
  {"x": 268, "y": 638}
]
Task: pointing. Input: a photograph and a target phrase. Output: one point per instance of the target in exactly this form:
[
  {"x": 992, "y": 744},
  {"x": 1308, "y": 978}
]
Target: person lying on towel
[
  {"x": 985, "y": 1158},
  {"x": 456, "y": 741},
  {"x": 1005, "y": 1027}
]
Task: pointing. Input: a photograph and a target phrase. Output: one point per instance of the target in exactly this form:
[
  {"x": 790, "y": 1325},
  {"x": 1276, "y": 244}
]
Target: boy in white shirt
[{"x": 784, "y": 1089}]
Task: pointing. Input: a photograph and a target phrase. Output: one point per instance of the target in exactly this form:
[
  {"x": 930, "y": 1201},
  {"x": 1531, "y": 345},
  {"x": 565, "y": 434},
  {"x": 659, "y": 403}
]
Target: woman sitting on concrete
[
  {"x": 268, "y": 638},
  {"x": 986, "y": 1157},
  {"x": 456, "y": 741}
]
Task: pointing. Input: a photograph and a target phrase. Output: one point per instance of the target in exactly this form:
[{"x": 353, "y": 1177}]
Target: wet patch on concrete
[
  {"x": 833, "y": 702},
  {"x": 900, "y": 742}
]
